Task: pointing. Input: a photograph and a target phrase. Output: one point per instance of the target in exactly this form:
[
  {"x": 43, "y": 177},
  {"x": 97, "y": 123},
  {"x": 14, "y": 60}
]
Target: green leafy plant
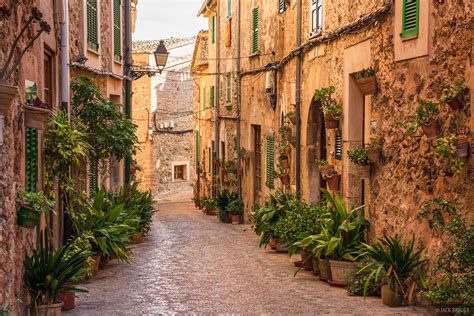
[
  {"x": 426, "y": 112},
  {"x": 35, "y": 201},
  {"x": 454, "y": 92},
  {"x": 236, "y": 207},
  {"x": 223, "y": 199},
  {"x": 365, "y": 73},
  {"x": 5, "y": 310},
  {"x": 329, "y": 105},
  {"x": 446, "y": 149},
  {"x": 358, "y": 281},
  {"x": 394, "y": 260},
  {"x": 358, "y": 156},
  {"x": 208, "y": 202},
  {"x": 321, "y": 162},
  {"x": 46, "y": 271}
]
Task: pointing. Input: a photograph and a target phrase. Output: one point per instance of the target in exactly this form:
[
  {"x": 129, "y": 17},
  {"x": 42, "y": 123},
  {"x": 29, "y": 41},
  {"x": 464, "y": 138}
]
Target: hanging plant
[
  {"x": 331, "y": 108},
  {"x": 446, "y": 149},
  {"x": 453, "y": 95},
  {"x": 366, "y": 81},
  {"x": 425, "y": 117}
]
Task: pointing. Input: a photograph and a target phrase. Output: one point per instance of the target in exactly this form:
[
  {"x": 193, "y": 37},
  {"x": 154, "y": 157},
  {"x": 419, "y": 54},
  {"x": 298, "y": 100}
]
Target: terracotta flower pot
[
  {"x": 28, "y": 218},
  {"x": 69, "y": 300},
  {"x": 324, "y": 169},
  {"x": 292, "y": 141},
  {"x": 49, "y": 310},
  {"x": 273, "y": 243},
  {"x": 374, "y": 155},
  {"x": 341, "y": 271},
  {"x": 462, "y": 147},
  {"x": 284, "y": 162},
  {"x": 307, "y": 258},
  {"x": 324, "y": 270},
  {"x": 292, "y": 119},
  {"x": 286, "y": 152},
  {"x": 239, "y": 170},
  {"x": 455, "y": 104},
  {"x": 331, "y": 122},
  {"x": 211, "y": 211},
  {"x": 281, "y": 247},
  {"x": 361, "y": 170},
  {"x": 7, "y": 95},
  {"x": 315, "y": 263},
  {"x": 285, "y": 179},
  {"x": 96, "y": 265},
  {"x": 367, "y": 85},
  {"x": 35, "y": 117},
  {"x": 390, "y": 297},
  {"x": 137, "y": 238},
  {"x": 431, "y": 130},
  {"x": 333, "y": 181},
  {"x": 235, "y": 219}
]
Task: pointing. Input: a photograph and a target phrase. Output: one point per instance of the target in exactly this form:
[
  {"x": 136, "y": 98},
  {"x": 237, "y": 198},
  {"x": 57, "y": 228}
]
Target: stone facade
[
  {"x": 163, "y": 112},
  {"x": 407, "y": 69}
]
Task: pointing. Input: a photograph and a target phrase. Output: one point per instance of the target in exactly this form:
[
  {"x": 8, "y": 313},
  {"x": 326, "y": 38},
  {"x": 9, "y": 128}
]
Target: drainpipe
[
  {"x": 128, "y": 81},
  {"x": 217, "y": 98},
  {"x": 65, "y": 74},
  {"x": 237, "y": 139},
  {"x": 298, "y": 98}
]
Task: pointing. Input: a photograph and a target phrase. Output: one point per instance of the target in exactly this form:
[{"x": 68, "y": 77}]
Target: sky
[{"x": 161, "y": 19}]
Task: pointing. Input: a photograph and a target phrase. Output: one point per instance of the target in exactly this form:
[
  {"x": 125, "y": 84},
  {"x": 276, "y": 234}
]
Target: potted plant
[
  {"x": 209, "y": 204},
  {"x": 31, "y": 206},
  {"x": 366, "y": 81},
  {"x": 462, "y": 146},
  {"x": 453, "y": 95},
  {"x": 447, "y": 149},
  {"x": 236, "y": 208},
  {"x": 283, "y": 176},
  {"x": 285, "y": 150},
  {"x": 426, "y": 117},
  {"x": 223, "y": 199},
  {"x": 360, "y": 159},
  {"x": 46, "y": 273},
  {"x": 394, "y": 262},
  {"x": 374, "y": 150},
  {"x": 323, "y": 166},
  {"x": 291, "y": 117},
  {"x": 331, "y": 108},
  {"x": 284, "y": 162},
  {"x": 332, "y": 178}
]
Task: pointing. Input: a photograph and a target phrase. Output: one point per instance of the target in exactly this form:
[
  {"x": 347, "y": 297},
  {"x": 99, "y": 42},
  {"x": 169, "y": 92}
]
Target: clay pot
[
  {"x": 341, "y": 271},
  {"x": 137, "y": 238},
  {"x": 307, "y": 258},
  {"x": 292, "y": 119},
  {"x": 292, "y": 141},
  {"x": 431, "y": 130},
  {"x": 315, "y": 263},
  {"x": 455, "y": 104},
  {"x": 235, "y": 219},
  {"x": 49, "y": 310},
  {"x": 462, "y": 147},
  {"x": 286, "y": 152},
  {"x": 273, "y": 243},
  {"x": 281, "y": 247},
  {"x": 35, "y": 117},
  {"x": 69, "y": 300},
  {"x": 333, "y": 181},
  {"x": 239, "y": 170},
  {"x": 367, "y": 85},
  {"x": 324, "y": 169},
  {"x": 96, "y": 265},
  {"x": 284, "y": 162},
  {"x": 285, "y": 179},
  {"x": 390, "y": 298},
  {"x": 211, "y": 211},
  {"x": 298, "y": 263},
  {"x": 361, "y": 170},
  {"x": 7, "y": 94},
  {"x": 324, "y": 270},
  {"x": 330, "y": 122},
  {"x": 374, "y": 155}
]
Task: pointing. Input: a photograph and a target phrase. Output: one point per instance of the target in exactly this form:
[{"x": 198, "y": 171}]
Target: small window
[
  {"x": 117, "y": 30},
  {"x": 204, "y": 99},
  {"x": 229, "y": 9},
  {"x": 316, "y": 16},
  {"x": 213, "y": 29},
  {"x": 255, "y": 39},
  {"x": 410, "y": 18},
  {"x": 228, "y": 88},
  {"x": 92, "y": 25},
  {"x": 180, "y": 173}
]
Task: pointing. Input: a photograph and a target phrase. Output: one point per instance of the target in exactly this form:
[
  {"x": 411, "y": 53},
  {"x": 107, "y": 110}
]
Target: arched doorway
[{"x": 316, "y": 149}]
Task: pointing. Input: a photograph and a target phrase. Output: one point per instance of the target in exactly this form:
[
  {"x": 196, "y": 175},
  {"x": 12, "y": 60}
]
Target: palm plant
[
  {"x": 46, "y": 271},
  {"x": 393, "y": 259}
]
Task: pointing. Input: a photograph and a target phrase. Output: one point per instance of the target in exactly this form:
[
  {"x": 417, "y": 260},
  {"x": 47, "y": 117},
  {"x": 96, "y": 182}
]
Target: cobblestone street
[{"x": 190, "y": 263}]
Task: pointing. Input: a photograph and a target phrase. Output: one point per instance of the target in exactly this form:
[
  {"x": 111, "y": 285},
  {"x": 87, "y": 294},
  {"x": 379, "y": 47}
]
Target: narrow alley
[{"x": 191, "y": 263}]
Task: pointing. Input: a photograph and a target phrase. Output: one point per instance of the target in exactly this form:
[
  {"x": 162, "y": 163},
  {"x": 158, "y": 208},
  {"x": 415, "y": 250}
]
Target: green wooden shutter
[
  {"x": 338, "y": 146},
  {"x": 410, "y": 18},
  {"x": 117, "y": 30},
  {"x": 198, "y": 148},
  {"x": 255, "y": 15},
  {"x": 31, "y": 160},
  {"x": 229, "y": 8},
  {"x": 211, "y": 98},
  {"x": 270, "y": 162},
  {"x": 213, "y": 29},
  {"x": 93, "y": 176},
  {"x": 92, "y": 25},
  {"x": 204, "y": 98}
]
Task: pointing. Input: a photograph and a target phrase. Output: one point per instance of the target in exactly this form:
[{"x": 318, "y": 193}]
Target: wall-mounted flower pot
[
  {"x": 431, "y": 130},
  {"x": 28, "y": 218},
  {"x": 331, "y": 122},
  {"x": 333, "y": 181},
  {"x": 373, "y": 155},
  {"x": 367, "y": 85},
  {"x": 390, "y": 297},
  {"x": 35, "y": 117},
  {"x": 324, "y": 270},
  {"x": 286, "y": 151},
  {"x": 284, "y": 162},
  {"x": 341, "y": 271},
  {"x": 7, "y": 94},
  {"x": 292, "y": 118},
  {"x": 362, "y": 170},
  {"x": 285, "y": 179},
  {"x": 462, "y": 147},
  {"x": 325, "y": 169},
  {"x": 455, "y": 104}
]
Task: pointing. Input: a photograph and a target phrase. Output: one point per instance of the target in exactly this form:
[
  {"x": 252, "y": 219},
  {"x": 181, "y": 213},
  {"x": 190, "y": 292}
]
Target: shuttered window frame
[
  {"x": 211, "y": 97},
  {"x": 213, "y": 29},
  {"x": 92, "y": 25},
  {"x": 117, "y": 30},
  {"x": 31, "y": 160},
  {"x": 228, "y": 91},
  {"x": 93, "y": 176},
  {"x": 270, "y": 174},
  {"x": 316, "y": 16},
  {"x": 255, "y": 49},
  {"x": 410, "y": 18}
]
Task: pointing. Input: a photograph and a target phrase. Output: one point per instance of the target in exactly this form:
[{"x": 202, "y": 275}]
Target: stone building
[
  {"x": 163, "y": 111},
  {"x": 79, "y": 42},
  {"x": 282, "y": 52}
]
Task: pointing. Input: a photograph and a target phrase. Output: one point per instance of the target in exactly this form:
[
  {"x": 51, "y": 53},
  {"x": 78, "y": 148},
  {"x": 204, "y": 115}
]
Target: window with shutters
[
  {"x": 270, "y": 162},
  {"x": 93, "y": 176},
  {"x": 31, "y": 160},
  {"x": 282, "y": 6},
  {"x": 410, "y": 18},
  {"x": 316, "y": 16},
  {"x": 48, "y": 80},
  {"x": 255, "y": 35},
  {"x": 117, "y": 30},
  {"x": 204, "y": 98},
  {"x": 211, "y": 97},
  {"x": 213, "y": 29},
  {"x": 228, "y": 91},
  {"x": 92, "y": 25},
  {"x": 258, "y": 158},
  {"x": 338, "y": 146},
  {"x": 229, "y": 9}
]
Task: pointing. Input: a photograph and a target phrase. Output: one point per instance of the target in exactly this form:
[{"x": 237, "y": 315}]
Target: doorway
[{"x": 316, "y": 150}]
